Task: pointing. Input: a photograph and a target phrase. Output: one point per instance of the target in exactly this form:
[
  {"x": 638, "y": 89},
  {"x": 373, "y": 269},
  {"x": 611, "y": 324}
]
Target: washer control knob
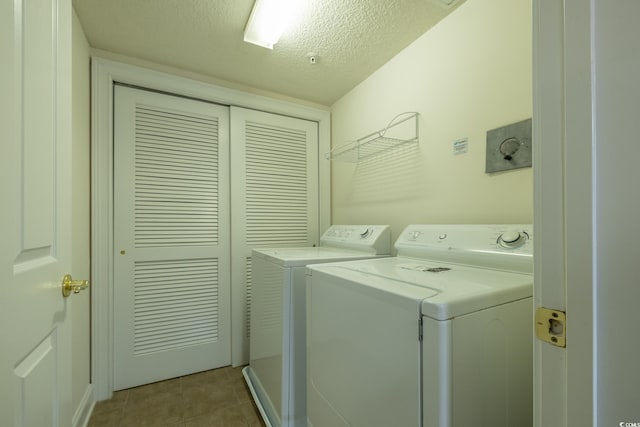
[
  {"x": 366, "y": 233},
  {"x": 414, "y": 235},
  {"x": 511, "y": 239}
]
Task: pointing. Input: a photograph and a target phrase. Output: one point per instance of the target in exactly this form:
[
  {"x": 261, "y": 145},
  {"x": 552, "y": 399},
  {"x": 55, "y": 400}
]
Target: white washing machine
[
  {"x": 439, "y": 336},
  {"x": 276, "y": 374}
]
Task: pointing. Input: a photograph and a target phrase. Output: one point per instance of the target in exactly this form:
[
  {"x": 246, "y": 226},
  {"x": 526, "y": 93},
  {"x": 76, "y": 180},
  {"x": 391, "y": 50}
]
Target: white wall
[
  {"x": 469, "y": 74},
  {"x": 80, "y": 160},
  {"x": 178, "y": 72}
]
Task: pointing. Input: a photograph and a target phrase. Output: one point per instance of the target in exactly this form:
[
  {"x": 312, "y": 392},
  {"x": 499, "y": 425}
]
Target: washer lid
[{"x": 441, "y": 290}]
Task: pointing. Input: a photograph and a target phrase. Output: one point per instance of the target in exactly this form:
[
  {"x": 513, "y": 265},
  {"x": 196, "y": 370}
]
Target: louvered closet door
[
  {"x": 274, "y": 198},
  {"x": 171, "y": 239}
]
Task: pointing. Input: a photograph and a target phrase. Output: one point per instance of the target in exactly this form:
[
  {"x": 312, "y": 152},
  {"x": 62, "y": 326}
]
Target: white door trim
[
  {"x": 103, "y": 75},
  {"x": 564, "y": 173}
]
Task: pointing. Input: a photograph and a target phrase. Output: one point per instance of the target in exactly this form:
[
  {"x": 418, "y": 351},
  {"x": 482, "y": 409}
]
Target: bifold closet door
[
  {"x": 274, "y": 198},
  {"x": 172, "y": 237}
]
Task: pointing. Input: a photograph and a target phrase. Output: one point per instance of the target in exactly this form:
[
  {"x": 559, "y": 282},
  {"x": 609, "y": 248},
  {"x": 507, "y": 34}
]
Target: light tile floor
[{"x": 217, "y": 398}]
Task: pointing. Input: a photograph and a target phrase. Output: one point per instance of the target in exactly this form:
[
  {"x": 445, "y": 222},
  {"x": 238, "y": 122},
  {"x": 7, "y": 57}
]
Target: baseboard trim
[{"x": 85, "y": 408}]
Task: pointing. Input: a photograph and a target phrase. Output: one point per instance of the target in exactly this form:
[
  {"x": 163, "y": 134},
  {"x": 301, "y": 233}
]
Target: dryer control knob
[
  {"x": 366, "y": 233},
  {"x": 511, "y": 239}
]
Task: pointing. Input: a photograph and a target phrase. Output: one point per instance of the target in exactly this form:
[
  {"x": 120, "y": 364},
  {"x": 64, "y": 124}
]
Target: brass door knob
[{"x": 69, "y": 285}]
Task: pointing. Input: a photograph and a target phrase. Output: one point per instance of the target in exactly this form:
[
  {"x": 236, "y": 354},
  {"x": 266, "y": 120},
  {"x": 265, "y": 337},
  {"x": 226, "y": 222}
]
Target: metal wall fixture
[
  {"x": 509, "y": 147},
  {"x": 401, "y": 130}
]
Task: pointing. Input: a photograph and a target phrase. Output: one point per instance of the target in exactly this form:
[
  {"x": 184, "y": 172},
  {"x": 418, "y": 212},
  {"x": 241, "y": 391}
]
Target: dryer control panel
[
  {"x": 506, "y": 247},
  {"x": 374, "y": 239}
]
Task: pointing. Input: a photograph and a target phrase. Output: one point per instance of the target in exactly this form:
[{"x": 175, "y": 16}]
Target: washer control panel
[{"x": 491, "y": 245}]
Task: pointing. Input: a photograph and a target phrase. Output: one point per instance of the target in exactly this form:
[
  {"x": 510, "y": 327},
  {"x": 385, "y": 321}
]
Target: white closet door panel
[
  {"x": 172, "y": 240},
  {"x": 277, "y": 181},
  {"x": 176, "y": 179},
  {"x": 274, "y": 197}
]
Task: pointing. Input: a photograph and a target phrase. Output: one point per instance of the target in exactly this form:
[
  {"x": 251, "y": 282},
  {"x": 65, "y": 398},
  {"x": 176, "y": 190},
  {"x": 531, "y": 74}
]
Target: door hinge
[
  {"x": 420, "y": 329},
  {"x": 551, "y": 326}
]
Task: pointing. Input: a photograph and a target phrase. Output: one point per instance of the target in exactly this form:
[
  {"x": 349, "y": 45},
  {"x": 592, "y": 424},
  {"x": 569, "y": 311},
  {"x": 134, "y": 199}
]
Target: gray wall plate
[{"x": 509, "y": 147}]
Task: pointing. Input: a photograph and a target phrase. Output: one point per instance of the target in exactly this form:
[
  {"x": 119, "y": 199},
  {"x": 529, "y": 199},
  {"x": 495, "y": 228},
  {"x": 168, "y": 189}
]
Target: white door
[
  {"x": 586, "y": 67},
  {"x": 550, "y": 370},
  {"x": 274, "y": 198},
  {"x": 35, "y": 219},
  {"x": 172, "y": 237}
]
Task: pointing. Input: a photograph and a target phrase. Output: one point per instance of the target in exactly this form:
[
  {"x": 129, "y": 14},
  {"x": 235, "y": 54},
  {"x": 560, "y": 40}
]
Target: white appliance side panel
[
  {"x": 267, "y": 333},
  {"x": 363, "y": 355},
  {"x": 436, "y": 373},
  {"x": 294, "y": 368},
  {"x": 492, "y": 360}
]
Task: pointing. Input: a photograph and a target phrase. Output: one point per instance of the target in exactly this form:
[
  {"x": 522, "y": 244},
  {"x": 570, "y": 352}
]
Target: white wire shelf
[{"x": 399, "y": 132}]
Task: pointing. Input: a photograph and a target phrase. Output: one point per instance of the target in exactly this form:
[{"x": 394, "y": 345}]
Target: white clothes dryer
[
  {"x": 439, "y": 336},
  {"x": 276, "y": 374}
]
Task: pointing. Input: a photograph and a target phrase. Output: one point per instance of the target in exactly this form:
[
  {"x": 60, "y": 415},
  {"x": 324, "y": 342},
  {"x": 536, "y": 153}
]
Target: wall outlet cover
[{"x": 509, "y": 147}]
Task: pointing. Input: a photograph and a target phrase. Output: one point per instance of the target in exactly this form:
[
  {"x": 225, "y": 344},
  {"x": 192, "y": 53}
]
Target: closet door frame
[{"x": 104, "y": 73}]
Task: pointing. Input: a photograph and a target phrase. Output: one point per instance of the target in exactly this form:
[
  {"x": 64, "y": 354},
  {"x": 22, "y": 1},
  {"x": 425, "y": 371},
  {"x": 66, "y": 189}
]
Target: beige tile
[
  {"x": 242, "y": 391},
  {"x": 201, "y": 421},
  {"x": 155, "y": 399},
  {"x": 160, "y": 411},
  {"x": 231, "y": 416},
  {"x": 142, "y": 392},
  {"x": 233, "y": 372},
  {"x": 251, "y": 414},
  {"x": 224, "y": 396},
  {"x": 213, "y": 398},
  {"x": 216, "y": 376},
  {"x": 205, "y": 398},
  {"x": 236, "y": 373},
  {"x": 115, "y": 403},
  {"x": 105, "y": 419}
]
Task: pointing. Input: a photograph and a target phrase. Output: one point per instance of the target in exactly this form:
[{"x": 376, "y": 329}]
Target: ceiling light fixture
[{"x": 267, "y": 22}]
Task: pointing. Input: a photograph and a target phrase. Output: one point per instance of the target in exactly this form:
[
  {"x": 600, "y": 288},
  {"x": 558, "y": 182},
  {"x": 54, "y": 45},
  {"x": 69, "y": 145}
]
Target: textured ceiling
[{"x": 351, "y": 38}]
